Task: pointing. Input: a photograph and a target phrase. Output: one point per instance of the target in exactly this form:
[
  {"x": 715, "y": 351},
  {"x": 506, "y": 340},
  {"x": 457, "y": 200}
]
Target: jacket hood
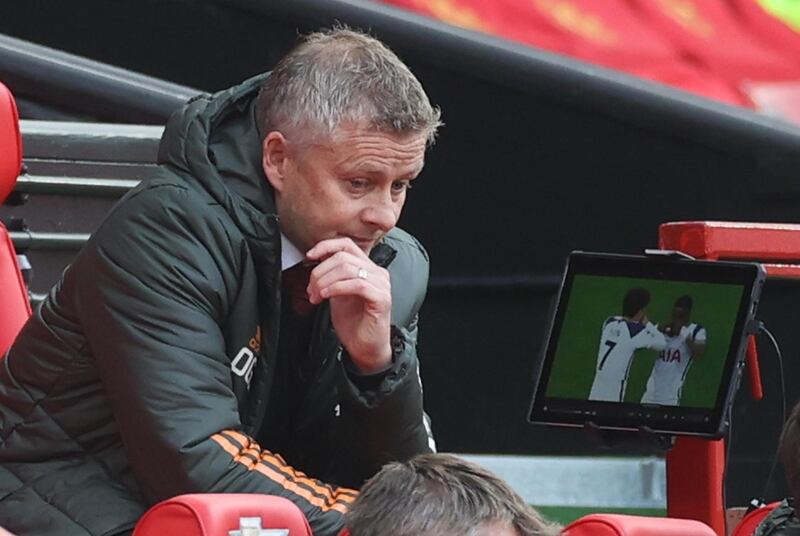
[{"x": 213, "y": 141}]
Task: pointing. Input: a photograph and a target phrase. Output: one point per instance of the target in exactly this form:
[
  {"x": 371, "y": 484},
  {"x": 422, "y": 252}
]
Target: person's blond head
[{"x": 441, "y": 495}]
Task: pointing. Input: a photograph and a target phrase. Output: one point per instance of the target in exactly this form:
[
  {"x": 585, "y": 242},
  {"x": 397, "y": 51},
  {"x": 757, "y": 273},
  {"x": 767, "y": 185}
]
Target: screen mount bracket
[
  {"x": 668, "y": 254},
  {"x": 613, "y": 439}
]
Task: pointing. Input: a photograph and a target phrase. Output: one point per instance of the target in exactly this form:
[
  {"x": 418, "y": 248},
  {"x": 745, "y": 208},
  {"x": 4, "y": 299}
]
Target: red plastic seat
[
  {"x": 747, "y": 526},
  {"x": 10, "y": 142},
  {"x": 622, "y": 525},
  {"x": 223, "y": 514},
  {"x": 14, "y": 302}
]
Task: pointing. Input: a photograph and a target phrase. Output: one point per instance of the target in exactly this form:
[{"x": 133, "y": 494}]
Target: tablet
[{"x": 650, "y": 343}]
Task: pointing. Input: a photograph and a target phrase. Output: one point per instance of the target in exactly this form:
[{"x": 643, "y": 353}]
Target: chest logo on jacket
[{"x": 245, "y": 361}]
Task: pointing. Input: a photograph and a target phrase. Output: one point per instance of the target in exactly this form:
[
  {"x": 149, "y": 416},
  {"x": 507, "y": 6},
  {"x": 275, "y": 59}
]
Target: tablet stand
[
  {"x": 612, "y": 439},
  {"x": 695, "y": 466}
]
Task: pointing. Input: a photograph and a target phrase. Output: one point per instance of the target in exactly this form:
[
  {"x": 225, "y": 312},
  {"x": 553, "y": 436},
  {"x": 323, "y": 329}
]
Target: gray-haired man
[{"x": 250, "y": 306}]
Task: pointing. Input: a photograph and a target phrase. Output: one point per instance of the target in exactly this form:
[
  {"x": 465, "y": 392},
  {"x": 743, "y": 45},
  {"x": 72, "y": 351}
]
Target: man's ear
[{"x": 274, "y": 159}]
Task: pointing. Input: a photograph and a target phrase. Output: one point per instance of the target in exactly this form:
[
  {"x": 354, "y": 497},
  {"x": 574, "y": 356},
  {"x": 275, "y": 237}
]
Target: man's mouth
[{"x": 364, "y": 244}]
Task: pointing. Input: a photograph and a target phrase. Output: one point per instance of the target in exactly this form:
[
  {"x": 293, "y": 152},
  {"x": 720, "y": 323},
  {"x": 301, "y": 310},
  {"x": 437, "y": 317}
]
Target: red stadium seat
[
  {"x": 223, "y": 514},
  {"x": 622, "y": 525},
  {"x": 10, "y": 143},
  {"x": 709, "y": 33},
  {"x": 748, "y": 524},
  {"x": 14, "y": 302},
  {"x": 766, "y": 27}
]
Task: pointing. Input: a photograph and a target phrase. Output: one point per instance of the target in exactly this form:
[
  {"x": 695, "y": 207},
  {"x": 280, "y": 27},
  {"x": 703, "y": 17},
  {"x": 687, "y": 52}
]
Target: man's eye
[
  {"x": 401, "y": 186},
  {"x": 358, "y": 184}
]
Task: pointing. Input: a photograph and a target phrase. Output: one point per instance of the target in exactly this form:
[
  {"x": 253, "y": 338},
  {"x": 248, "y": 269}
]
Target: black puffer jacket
[{"x": 134, "y": 381}]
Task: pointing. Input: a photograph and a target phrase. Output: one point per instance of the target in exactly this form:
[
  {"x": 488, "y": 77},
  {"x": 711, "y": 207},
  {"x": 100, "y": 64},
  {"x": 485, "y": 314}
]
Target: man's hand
[
  {"x": 360, "y": 298},
  {"x": 686, "y": 333}
]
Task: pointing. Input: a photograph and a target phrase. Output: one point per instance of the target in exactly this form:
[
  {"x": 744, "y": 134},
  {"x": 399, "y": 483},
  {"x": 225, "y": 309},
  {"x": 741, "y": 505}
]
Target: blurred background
[{"x": 569, "y": 124}]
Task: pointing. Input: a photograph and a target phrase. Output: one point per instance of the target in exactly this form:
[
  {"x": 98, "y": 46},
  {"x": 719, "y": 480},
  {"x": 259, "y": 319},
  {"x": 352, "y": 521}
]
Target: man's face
[
  {"x": 353, "y": 186},
  {"x": 680, "y": 316}
]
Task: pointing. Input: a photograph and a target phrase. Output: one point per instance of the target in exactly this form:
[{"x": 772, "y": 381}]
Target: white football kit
[
  {"x": 672, "y": 366},
  {"x": 619, "y": 340}
]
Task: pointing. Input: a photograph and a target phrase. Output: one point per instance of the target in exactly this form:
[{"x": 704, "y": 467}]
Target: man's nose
[{"x": 381, "y": 215}]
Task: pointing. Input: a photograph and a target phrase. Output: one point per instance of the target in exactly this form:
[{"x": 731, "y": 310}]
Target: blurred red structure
[
  {"x": 775, "y": 245},
  {"x": 726, "y": 50},
  {"x": 695, "y": 467}
]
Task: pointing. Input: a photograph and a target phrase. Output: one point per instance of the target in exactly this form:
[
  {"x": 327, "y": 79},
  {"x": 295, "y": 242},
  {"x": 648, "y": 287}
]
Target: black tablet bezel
[{"x": 710, "y": 422}]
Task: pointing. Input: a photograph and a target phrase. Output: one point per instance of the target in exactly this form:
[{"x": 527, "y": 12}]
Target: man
[
  {"x": 686, "y": 342},
  {"x": 174, "y": 356},
  {"x": 783, "y": 520},
  {"x": 620, "y": 338},
  {"x": 441, "y": 495}
]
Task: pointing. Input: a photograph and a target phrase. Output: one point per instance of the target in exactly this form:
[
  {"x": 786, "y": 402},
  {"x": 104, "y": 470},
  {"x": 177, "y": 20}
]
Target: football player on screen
[
  {"x": 686, "y": 341},
  {"x": 620, "y": 338}
]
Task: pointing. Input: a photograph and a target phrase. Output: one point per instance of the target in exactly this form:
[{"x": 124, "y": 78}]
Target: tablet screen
[{"x": 640, "y": 341}]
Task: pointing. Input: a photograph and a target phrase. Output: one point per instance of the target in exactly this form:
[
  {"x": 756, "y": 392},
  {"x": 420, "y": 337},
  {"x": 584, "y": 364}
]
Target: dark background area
[{"x": 540, "y": 155}]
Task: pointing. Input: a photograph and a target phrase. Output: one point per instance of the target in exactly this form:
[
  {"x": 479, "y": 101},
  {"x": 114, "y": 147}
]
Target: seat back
[
  {"x": 623, "y": 525},
  {"x": 14, "y": 302},
  {"x": 10, "y": 143},
  {"x": 228, "y": 514}
]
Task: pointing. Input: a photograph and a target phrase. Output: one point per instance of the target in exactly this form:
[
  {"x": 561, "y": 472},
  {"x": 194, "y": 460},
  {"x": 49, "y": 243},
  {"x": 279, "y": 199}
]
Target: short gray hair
[
  {"x": 342, "y": 76},
  {"x": 440, "y": 495}
]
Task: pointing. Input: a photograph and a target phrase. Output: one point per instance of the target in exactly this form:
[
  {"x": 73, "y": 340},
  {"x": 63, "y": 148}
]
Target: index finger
[{"x": 330, "y": 246}]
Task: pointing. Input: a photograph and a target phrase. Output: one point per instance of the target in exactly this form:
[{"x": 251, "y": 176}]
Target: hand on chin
[{"x": 360, "y": 299}]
